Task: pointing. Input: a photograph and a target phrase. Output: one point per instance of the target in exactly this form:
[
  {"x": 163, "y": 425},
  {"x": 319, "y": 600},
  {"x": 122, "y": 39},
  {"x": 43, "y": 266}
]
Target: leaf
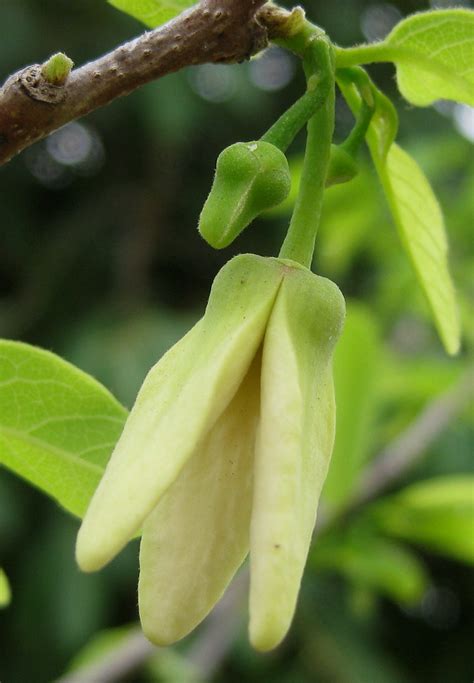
[
  {"x": 5, "y": 593},
  {"x": 419, "y": 220},
  {"x": 355, "y": 368},
  {"x": 434, "y": 55},
  {"x": 58, "y": 426},
  {"x": 420, "y": 224},
  {"x": 374, "y": 563},
  {"x": 152, "y": 12},
  {"x": 437, "y": 513}
]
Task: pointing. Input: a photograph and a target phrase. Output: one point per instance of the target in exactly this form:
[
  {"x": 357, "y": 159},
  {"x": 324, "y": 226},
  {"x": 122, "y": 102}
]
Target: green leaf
[
  {"x": 433, "y": 53},
  {"x": 418, "y": 217},
  {"x": 152, "y": 12},
  {"x": 5, "y": 593},
  {"x": 373, "y": 563},
  {"x": 58, "y": 426},
  {"x": 355, "y": 369},
  {"x": 437, "y": 513},
  {"x": 420, "y": 224}
]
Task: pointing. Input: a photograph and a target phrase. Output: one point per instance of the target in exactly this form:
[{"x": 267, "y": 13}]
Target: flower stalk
[{"x": 299, "y": 242}]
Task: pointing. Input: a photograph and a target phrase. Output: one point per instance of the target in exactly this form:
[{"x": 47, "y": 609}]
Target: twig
[{"x": 31, "y": 107}]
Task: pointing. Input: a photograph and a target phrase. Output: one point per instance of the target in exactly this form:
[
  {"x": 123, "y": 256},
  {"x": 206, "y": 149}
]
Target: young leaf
[
  {"x": 374, "y": 563},
  {"x": 152, "y": 12},
  {"x": 58, "y": 426},
  {"x": 5, "y": 594},
  {"x": 420, "y": 224},
  {"x": 419, "y": 220},
  {"x": 355, "y": 369},
  {"x": 437, "y": 513},
  {"x": 433, "y": 53}
]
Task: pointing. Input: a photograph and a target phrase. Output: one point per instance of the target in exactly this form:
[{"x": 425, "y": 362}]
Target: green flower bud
[
  {"x": 250, "y": 178},
  {"x": 342, "y": 167}
]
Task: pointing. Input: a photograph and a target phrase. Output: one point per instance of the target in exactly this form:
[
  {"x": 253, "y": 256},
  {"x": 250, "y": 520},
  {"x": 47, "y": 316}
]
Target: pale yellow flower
[{"x": 226, "y": 451}]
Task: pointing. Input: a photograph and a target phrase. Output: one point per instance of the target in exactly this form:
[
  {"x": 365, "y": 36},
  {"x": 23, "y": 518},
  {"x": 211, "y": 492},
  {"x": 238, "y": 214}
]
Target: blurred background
[{"x": 101, "y": 262}]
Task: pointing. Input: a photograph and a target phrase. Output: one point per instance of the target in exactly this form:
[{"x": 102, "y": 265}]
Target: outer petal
[
  {"x": 198, "y": 535},
  {"x": 293, "y": 447},
  {"x": 180, "y": 400}
]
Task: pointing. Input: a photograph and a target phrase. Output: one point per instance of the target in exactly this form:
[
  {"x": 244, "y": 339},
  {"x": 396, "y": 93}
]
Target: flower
[{"x": 225, "y": 450}]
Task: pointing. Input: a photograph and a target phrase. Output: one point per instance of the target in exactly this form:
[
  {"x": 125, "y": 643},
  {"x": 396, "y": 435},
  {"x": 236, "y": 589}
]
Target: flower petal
[
  {"x": 294, "y": 446},
  {"x": 180, "y": 400},
  {"x": 198, "y": 535}
]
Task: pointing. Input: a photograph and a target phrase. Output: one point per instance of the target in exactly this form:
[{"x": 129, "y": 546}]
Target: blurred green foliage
[{"x": 101, "y": 262}]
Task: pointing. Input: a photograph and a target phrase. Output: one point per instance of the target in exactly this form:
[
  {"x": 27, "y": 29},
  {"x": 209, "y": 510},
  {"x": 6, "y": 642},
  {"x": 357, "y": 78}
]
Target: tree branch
[{"x": 219, "y": 31}]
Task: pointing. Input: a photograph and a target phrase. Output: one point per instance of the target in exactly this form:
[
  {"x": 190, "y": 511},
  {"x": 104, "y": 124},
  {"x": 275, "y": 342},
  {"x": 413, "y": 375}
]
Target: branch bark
[{"x": 218, "y": 31}]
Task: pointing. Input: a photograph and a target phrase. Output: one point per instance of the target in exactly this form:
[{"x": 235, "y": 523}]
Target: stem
[
  {"x": 285, "y": 129},
  {"x": 300, "y": 239},
  {"x": 362, "y": 54},
  {"x": 356, "y": 137},
  {"x": 366, "y": 91}
]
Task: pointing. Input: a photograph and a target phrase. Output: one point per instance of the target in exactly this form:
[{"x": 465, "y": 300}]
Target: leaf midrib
[{"x": 54, "y": 450}]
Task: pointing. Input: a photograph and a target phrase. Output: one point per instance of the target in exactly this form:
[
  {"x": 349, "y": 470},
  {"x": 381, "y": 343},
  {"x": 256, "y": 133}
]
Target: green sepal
[{"x": 250, "y": 178}]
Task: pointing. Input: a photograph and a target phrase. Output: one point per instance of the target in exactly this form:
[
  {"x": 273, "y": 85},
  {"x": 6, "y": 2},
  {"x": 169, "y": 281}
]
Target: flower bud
[
  {"x": 342, "y": 167},
  {"x": 250, "y": 178}
]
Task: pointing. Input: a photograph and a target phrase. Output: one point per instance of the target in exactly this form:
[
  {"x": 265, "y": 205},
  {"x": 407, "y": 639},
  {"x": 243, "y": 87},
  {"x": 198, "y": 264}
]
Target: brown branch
[{"x": 219, "y": 31}]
